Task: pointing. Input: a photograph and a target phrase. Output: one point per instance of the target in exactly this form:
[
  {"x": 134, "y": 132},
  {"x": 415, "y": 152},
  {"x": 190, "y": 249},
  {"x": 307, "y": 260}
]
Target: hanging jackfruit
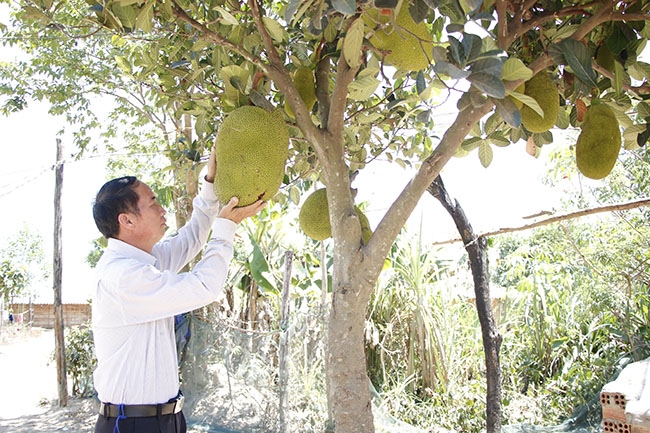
[
  {"x": 599, "y": 142},
  {"x": 542, "y": 89},
  {"x": 314, "y": 218},
  {"x": 252, "y": 148},
  {"x": 409, "y": 44},
  {"x": 303, "y": 79}
]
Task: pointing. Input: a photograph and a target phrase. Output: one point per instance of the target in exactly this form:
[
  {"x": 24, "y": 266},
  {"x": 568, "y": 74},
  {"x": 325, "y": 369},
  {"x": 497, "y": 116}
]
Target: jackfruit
[
  {"x": 252, "y": 148},
  {"x": 303, "y": 79},
  {"x": 409, "y": 44},
  {"x": 599, "y": 142},
  {"x": 314, "y": 218},
  {"x": 542, "y": 89}
]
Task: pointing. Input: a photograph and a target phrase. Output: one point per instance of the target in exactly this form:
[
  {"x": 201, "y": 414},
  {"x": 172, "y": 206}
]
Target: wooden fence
[{"x": 42, "y": 315}]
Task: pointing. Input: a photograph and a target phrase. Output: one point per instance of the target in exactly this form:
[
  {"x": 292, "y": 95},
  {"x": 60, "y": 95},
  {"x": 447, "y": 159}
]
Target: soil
[{"x": 29, "y": 401}]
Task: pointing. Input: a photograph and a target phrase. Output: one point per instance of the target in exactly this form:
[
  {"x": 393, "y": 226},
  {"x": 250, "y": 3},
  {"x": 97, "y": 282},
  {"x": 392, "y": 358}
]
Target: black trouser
[{"x": 172, "y": 423}]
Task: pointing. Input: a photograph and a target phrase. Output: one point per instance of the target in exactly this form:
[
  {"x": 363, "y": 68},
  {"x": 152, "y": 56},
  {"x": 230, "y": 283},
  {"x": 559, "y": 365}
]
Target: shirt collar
[{"x": 128, "y": 250}]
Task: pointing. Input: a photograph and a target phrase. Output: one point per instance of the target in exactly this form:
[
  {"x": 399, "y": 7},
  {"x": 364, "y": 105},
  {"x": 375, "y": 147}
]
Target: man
[{"x": 139, "y": 290}]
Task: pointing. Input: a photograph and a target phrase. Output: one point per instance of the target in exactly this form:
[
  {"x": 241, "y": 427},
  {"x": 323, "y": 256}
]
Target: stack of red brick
[{"x": 626, "y": 400}]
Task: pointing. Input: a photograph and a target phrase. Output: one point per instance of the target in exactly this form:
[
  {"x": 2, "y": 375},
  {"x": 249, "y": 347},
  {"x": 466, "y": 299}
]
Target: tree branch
[
  {"x": 399, "y": 211},
  {"x": 572, "y": 215},
  {"x": 214, "y": 37}
]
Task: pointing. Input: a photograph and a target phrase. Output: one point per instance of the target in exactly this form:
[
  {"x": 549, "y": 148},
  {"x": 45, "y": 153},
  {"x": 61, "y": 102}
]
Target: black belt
[{"x": 110, "y": 410}]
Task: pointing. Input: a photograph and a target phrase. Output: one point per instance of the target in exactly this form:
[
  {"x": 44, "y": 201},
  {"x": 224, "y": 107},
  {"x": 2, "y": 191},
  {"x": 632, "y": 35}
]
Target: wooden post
[
  {"x": 283, "y": 368},
  {"x": 59, "y": 344}
]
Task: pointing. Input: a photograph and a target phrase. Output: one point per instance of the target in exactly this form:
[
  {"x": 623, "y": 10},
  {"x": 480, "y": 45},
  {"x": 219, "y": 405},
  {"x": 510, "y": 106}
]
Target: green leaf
[
  {"x": 419, "y": 10},
  {"x": 471, "y": 143},
  {"x": 259, "y": 267},
  {"x": 498, "y": 139},
  {"x": 526, "y": 100},
  {"x": 630, "y": 136},
  {"x": 619, "y": 73},
  {"x": 490, "y": 66},
  {"x": 514, "y": 69},
  {"x": 489, "y": 84},
  {"x": 277, "y": 32},
  {"x": 508, "y": 111},
  {"x": 472, "y": 45},
  {"x": 446, "y": 68},
  {"x": 227, "y": 17},
  {"x": 126, "y": 15},
  {"x": 579, "y": 59},
  {"x": 347, "y": 7},
  {"x": 470, "y": 6},
  {"x": 385, "y": 4},
  {"x": 199, "y": 45},
  {"x": 485, "y": 154},
  {"x": 352, "y": 43},
  {"x": 364, "y": 85},
  {"x": 420, "y": 83},
  {"x": 144, "y": 20},
  {"x": 123, "y": 64}
]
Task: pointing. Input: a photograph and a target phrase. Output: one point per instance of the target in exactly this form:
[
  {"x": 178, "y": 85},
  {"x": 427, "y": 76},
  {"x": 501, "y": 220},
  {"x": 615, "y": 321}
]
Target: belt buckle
[{"x": 178, "y": 406}]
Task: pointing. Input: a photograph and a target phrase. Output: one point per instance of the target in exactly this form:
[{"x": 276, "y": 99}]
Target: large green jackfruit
[
  {"x": 314, "y": 218},
  {"x": 599, "y": 142},
  {"x": 409, "y": 44},
  {"x": 251, "y": 150},
  {"x": 303, "y": 79},
  {"x": 542, "y": 89}
]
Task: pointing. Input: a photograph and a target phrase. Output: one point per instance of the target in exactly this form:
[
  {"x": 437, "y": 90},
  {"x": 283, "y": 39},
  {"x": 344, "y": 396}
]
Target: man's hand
[
  {"x": 238, "y": 214},
  {"x": 212, "y": 165}
]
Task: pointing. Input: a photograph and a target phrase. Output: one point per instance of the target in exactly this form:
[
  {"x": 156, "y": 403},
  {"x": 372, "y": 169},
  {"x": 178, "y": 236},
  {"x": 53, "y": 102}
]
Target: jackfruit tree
[{"x": 207, "y": 58}]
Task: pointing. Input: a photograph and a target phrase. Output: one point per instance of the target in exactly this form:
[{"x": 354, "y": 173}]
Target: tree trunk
[
  {"x": 477, "y": 250},
  {"x": 349, "y": 390}
]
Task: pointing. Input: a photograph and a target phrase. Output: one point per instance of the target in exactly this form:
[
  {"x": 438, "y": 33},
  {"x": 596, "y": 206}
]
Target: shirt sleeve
[
  {"x": 136, "y": 292},
  {"x": 175, "y": 252}
]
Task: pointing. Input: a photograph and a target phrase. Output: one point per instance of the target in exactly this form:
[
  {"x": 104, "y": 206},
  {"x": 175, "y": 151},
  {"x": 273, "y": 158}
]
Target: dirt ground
[
  {"x": 29, "y": 397},
  {"x": 29, "y": 401}
]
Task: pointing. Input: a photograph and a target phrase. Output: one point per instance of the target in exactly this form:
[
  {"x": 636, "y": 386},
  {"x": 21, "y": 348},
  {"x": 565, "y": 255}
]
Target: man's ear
[{"x": 125, "y": 221}]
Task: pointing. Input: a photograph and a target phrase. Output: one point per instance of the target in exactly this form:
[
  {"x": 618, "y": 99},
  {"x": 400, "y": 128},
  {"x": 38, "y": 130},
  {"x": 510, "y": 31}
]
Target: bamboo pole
[{"x": 284, "y": 342}]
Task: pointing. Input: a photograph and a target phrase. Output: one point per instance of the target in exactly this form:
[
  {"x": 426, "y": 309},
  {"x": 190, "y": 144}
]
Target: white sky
[{"x": 27, "y": 194}]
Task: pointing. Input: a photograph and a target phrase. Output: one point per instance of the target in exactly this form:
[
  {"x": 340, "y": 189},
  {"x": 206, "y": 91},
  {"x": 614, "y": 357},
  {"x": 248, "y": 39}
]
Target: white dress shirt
[{"x": 137, "y": 296}]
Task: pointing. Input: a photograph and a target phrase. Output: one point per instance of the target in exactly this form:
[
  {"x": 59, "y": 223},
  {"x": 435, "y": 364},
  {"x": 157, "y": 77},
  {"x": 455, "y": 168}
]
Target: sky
[{"x": 27, "y": 188}]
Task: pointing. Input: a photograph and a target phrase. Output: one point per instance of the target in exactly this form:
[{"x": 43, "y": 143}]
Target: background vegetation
[{"x": 571, "y": 299}]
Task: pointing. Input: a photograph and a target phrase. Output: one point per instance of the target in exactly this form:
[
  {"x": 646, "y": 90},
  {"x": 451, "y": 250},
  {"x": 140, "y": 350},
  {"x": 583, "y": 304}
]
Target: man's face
[{"x": 150, "y": 223}]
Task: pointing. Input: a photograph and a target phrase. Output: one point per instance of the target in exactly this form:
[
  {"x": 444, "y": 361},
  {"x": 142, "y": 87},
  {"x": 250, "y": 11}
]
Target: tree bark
[
  {"x": 477, "y": 250},
  {"x": 349, "y": 390}
]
